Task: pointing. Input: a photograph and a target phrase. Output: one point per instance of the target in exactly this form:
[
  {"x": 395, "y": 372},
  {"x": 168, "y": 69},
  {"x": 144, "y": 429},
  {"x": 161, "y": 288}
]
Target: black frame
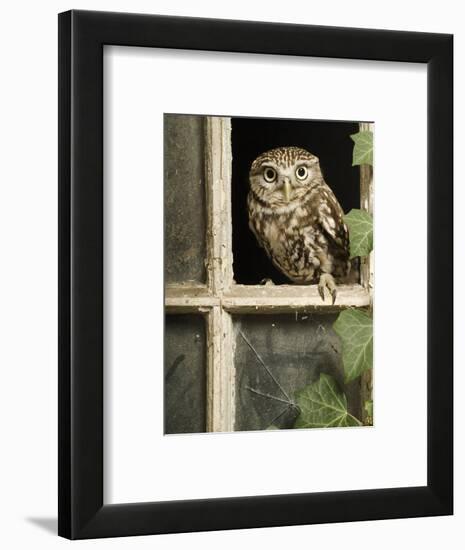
[{"x": 82, "y": 513}]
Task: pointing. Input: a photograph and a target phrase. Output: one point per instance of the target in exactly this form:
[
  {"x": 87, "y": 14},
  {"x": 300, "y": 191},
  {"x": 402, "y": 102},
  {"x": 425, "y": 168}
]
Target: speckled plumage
[{"x": 296, "y": 217}]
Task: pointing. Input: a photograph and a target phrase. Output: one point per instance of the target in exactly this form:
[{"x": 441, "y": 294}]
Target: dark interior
[{"x": 330, "y": 141}]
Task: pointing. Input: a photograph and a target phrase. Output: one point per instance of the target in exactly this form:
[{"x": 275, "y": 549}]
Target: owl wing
[
  {"x": 257, "y": 236},
  {"x": 254, "y": 218},
  {"x": 331, "y": 221}
]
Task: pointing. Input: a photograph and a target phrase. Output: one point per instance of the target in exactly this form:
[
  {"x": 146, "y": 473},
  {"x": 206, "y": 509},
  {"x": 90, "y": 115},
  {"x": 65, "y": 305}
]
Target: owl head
[{"x": 283, "y": 175}]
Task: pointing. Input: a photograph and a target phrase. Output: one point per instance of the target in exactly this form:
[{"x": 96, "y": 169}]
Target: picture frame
[{"x": 82, "y": 511}]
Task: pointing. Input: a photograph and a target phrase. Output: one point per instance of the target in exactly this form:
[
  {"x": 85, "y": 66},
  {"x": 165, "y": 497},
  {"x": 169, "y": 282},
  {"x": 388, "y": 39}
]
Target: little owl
[{"x": 297, "y": 219}]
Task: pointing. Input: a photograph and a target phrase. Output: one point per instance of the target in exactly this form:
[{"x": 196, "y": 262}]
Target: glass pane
[
  {"x": 277, "y": 355},
  {"x": 185, "y": 374},
  {"x": 184, "y": 199}
]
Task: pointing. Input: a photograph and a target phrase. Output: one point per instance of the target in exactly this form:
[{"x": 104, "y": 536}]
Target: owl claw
[
  {"x": 334, "y": 294},
  {"x": 327, "y": 281}
]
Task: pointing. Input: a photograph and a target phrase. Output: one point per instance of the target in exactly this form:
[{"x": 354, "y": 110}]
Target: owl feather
[{"x": 297, "y": 219}]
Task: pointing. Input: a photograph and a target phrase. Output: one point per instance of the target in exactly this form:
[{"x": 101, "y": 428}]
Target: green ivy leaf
[
  {"x": 355, "y": 328},
  {"x": 360, "y": 224},
  {"x": 363, "y": 148},
  {"x": 323, "y": 405}
]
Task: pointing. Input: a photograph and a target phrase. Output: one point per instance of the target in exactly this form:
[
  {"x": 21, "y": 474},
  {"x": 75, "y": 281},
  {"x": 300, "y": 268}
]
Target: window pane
[
  {"x": 184, "y": 199},
  {"x": 185, "y": 374},
  {"x": 277, "y": 355}
]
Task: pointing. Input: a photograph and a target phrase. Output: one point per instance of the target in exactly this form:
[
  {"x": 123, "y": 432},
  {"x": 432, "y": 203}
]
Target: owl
[{"x": 297, "y": 219}]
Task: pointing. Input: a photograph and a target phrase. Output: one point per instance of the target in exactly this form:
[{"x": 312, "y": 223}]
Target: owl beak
[{"x": 287, "y": 190}]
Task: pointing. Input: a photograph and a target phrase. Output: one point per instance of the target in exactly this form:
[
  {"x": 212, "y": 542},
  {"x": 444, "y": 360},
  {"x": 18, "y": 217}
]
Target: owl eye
[
  {"x": 301, "y": 172},
  {"x": 269, "y": 174}
]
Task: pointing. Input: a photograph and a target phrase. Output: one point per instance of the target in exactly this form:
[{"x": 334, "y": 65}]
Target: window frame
[
  {"x": 220, "y": 297},
  {"x": 83, "y": 512}
]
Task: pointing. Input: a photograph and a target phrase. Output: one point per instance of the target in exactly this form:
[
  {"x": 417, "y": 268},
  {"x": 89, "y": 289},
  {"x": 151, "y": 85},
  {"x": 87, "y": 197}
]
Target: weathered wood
[
  {"x": 218, "y": 165},
  {"x": 290, "y": 298},
  {"x": 266, "y": 299},
  {"x": 227, "y": 413},
  {"x": 226, "y": 206},
  {"x": 367, "y": 273},
  {"x": 220, "y": 372},
  {"x": 189, "y": 299},
  {"x": 366, "y": 394},
  {"x": 366, "y": 203},
  {"x": 220, "y": 358}
]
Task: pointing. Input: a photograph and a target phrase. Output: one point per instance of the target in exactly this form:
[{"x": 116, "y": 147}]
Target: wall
[{"x": 28, "y": 220}]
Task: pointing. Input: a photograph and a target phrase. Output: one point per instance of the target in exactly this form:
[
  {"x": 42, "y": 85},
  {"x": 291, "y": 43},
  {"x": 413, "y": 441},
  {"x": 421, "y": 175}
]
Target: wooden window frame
[{"x": 221, "y": 297}]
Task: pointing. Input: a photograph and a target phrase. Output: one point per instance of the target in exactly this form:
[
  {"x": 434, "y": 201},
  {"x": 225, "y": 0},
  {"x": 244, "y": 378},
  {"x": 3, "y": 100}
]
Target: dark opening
[{"x": 330, "y": 141}]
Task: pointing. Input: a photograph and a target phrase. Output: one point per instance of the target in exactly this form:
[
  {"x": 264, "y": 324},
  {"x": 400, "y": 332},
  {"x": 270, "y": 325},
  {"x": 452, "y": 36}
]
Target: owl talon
[
  {"x": 334, "y": 294},
  {"x": 267, "y": 282},
  {"x": 327, "y": 281}
]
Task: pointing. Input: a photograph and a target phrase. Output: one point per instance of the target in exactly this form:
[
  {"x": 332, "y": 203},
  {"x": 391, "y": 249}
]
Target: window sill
[{"x": 264, "y": 298}]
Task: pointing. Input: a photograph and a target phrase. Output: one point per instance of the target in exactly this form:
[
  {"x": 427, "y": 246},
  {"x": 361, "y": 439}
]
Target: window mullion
[
  {"x": 366, "y": 269},
  {"x": 366, "y": 203},
  {"x": 220, "y": 360},
  {"x": 218, "y": 179},
  {"x": 220, "y": 371}
]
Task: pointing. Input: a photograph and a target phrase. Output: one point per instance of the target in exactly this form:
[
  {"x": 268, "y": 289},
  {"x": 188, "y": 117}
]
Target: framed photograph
[{"x": 255, "y": 320}]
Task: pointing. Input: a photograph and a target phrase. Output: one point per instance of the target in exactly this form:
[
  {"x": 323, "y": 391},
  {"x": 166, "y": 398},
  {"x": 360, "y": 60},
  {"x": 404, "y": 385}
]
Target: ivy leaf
[
  {"x": 360, "y": 224},
  {"x": 363, "y": 148},
  {"x": 355, "y": 328},
  {"x": 323, "y": 405}
]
